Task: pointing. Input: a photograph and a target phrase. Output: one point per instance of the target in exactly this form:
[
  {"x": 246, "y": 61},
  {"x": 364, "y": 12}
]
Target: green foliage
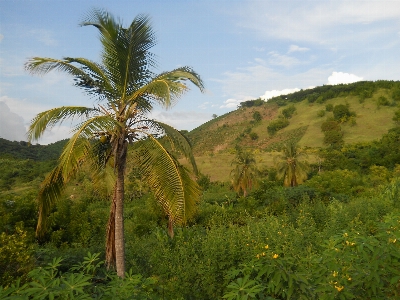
[
  {"x": 253, "y": 136},
  {"x": 330, "y": 125},
  {"x": 277, "y": 125},
  {"x": 341, "y": 112},
  {"x": 23, "y": 150},
  {"x": 329, "y": 107},
  {"x": 321, "y": 113},
  {"x": 340, "y": 184},
  {"x": 383, "y": 101},
  {"x": 396, "y": 117},
  {"x": 16, "y": 255},
  {"x": 251, "y": 103},
  {"x": 83, "y": 281},
  {"x": 333, "y": 138},
  {"x": 289, "y": 111},
  {"x": 344, "y": 267},
  {"x": 257, "y": 116}
]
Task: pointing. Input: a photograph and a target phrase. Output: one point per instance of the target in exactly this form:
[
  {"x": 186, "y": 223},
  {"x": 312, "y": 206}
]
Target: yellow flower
[
  {"x": 345, "y": 234},
  {"x": 258, "y": 256},
  {"x": 263, "y": 254},
  {"x": 339, "y": 288},
  {"x": 349, "y": 279},
  {"x": 334, "y": 273},
  {"x": 266, "y": 247},
  {"x": 275, "y": 256},
  {"x": 392, "y": 240}
]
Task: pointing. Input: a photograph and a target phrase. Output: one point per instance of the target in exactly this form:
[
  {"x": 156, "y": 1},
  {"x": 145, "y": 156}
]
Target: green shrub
[
  {"x": 329, "y": 107},
  {"x": 253, "y": 136},
  {"x": 257, "y": 116},
  {"x": 277, "y": 125},
  {"x": 321, "y": 113},
  {"x": 383, "y": 101},
  {"x": 289, "y": 111}
]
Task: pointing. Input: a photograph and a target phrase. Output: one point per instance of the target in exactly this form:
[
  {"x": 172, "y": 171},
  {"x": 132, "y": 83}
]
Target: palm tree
[
  {"x": 244, "y": 173},
  {"x": 126, "y": 91},
  {"x": 290, "y": 167}
]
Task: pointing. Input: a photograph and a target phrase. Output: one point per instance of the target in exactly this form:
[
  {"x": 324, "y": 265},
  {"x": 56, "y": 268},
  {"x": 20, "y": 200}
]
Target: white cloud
[
  {"x": 318, "y": 21},
  {"x": 274, "y": 93},
  {"x": 340, "y": 77},
  {"x": 295, "y": 48},
  {"x": 233, "y": 103},
  {"x": 282, "y": 60},
  {"x": 11, "y": 125},
  {"x": 44, "y": 36},
  {"x": 181, "y": 120}
]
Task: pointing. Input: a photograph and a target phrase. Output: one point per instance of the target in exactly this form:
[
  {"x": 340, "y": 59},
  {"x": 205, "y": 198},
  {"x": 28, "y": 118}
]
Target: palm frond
[
  {"x": 79, "y": 146},
  {"x": 166, "y": 88},
  {"x": 47, "y": 119},
  {"x": 171, "y": 183},
  {"x": 50, "y": 191},
  {"x": 179, "y": 142},
  {"x": 43, "y": 65}
]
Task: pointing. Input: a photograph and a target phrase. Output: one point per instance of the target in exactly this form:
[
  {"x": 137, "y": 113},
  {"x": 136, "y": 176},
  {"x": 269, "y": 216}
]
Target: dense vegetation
[{"x": 335, "y": 236}]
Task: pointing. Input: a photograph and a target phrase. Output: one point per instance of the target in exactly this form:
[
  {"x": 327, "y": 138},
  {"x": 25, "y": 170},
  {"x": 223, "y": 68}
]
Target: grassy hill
[{"x": 374, "y": 105}]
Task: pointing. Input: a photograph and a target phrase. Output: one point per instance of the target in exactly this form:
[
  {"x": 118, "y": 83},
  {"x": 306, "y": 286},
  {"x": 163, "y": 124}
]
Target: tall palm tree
[
  {"x": 290, "y": 167},
  {"x": 244, "y": 174},
  {"x": 126, "y": 91}
]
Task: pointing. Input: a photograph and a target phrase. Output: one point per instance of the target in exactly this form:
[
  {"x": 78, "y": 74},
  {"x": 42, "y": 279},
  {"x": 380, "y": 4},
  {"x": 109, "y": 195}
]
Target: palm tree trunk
[{"x": 119, "y": 209}]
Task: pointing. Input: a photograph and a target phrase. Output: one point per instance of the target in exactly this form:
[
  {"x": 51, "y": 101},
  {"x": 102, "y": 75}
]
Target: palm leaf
[
  {"x": 167, "y": 87},
  {"x": 179, "y": 142},
  {"x": 47, "y": 119},
  {"x": 50, "y": 190},
  {"x": 174, "y": 189}
]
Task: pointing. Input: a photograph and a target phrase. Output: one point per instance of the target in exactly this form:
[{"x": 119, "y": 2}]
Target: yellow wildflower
[
  {"x": 349, "y": 279},
  {"x": 263, "y": 254},
  {"x": 258, "y": 256},
  {"x": 334, "y": 274},
  {"x": 345, "y": 234},
  {"x": 275, "y": 256},
  {"x": 266, "y": 247},
  {"x": 339, "y": 288}
]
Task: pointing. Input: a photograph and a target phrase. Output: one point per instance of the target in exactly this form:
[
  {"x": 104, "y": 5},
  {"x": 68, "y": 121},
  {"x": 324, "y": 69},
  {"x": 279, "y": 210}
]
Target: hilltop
[{"x": 373, "y": 103}]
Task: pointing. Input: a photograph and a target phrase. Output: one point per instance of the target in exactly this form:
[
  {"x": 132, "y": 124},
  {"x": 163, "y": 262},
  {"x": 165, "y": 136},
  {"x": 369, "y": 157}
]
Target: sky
[{"x": 242, "y": 49}]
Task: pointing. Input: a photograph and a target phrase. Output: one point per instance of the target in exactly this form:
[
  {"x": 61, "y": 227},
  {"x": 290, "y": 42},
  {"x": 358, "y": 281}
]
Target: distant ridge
[{"x": 22, "y": 150}]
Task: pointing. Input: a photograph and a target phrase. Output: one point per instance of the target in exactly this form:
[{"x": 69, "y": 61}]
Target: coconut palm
[
  {"x": 244, "y": 174},
  {"x": 290, "y": 167},
  {"x": 125, "y": 90}
]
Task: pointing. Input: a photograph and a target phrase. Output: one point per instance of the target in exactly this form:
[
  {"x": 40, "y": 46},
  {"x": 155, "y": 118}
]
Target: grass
[{"x": 214, "y": 142}]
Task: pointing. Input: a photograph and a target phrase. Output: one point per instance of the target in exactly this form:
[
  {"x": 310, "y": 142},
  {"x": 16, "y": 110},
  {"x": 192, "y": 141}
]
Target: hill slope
[{"x": 374, "y": 105}]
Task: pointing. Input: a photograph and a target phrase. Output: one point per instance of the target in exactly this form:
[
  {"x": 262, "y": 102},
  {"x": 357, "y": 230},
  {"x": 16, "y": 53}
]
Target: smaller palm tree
[
  {"x": 244, "y": 174},
  {"x": 290, "y": 167}
]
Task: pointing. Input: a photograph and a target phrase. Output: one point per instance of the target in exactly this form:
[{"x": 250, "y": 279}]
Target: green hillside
[{"x": 374, "y": 105}]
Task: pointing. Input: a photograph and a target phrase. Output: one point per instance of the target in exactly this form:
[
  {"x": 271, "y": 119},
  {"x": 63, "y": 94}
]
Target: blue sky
[{"x": 242, "y": 50}]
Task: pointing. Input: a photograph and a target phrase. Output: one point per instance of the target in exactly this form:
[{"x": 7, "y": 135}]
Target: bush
[
  {"x": 330, "y": 126},
  {"x": 257, "y": 116},
  {"x": 253, "y": 136},
  {"x": 329, "y": 107},
  {"x": 289, "y": 111},
  {"x": 277, "y": 125},
  {"x": 383, "y": 101},
  {"x": 321, "y": 113},
  {"x": 341, "y": 112}
]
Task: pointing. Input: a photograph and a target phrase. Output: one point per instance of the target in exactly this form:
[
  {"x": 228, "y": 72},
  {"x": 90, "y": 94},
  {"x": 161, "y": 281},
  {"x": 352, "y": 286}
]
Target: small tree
[
  {"x": 244, "y": 174},
  {"x": 257, "y": 116},
  {"x": 290, "y": 168}
]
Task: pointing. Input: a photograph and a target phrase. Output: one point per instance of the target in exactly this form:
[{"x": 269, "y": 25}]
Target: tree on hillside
[
  {"x": 244, "y": 173},
  {"x": 290, "y": 166},
  {"x": 126, "y": 90}
]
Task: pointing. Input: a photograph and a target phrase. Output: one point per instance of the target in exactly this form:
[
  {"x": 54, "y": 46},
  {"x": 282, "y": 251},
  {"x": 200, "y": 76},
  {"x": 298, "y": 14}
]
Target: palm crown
[{"x": 126, "y": 90}]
